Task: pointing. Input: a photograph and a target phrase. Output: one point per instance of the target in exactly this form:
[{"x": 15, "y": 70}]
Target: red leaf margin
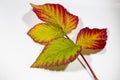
[
  {"x": 100, "y": 43},
  {"x": 73, "y": 18},
  {"x": 46, "y": 65}
]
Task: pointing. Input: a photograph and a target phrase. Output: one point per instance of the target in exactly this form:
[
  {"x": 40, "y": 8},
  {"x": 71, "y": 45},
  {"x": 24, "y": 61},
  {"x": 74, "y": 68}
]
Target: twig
[{"x": 93, "y": 74}]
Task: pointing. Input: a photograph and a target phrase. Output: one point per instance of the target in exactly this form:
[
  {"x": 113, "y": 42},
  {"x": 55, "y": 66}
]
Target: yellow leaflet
[{"x": 44, "y": 32}]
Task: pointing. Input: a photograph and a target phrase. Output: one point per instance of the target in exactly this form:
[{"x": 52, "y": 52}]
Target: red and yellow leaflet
[
  {"x": 57, "y": 15},
  {"x": 92, "y": 39}
]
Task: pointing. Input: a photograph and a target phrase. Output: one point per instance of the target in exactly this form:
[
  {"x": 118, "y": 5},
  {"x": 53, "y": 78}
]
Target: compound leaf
[
  {"x": 91, "y": 40},
  {"x": 44, "y": 32},
  {"x": 56, "y": 14},
  {"x": 58, "y": 52}
]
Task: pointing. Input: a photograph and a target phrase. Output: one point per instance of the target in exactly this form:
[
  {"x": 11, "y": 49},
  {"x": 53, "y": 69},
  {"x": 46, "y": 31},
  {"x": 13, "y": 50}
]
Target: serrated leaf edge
[{"x": 71, "y": 59}]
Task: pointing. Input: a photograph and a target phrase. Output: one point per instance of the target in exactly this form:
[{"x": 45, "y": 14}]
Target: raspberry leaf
[
  {"x": 91, "y": 40},
  {"x": 44, "y": 32},
  {"x": 56, "y": 14},
  {"x": 58, "y": 52}
]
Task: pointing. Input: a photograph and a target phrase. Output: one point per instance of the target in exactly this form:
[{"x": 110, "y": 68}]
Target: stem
[
  {"x": 93, "y": 74},
  {"x": 67, "y": 37},
  {"x": 81, "y": 63},
  {"x": 77, "y": 58},
  {"x": 95, "y": 78},
  {"x": 84, "y": 66}
]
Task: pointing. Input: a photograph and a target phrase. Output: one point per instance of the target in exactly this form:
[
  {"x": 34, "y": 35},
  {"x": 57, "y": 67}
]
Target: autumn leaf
[
  {"x": 58, "y": 52},
  {"x": 91, "y": 40},
  {"x": 56, "y": 14},
  {"x": 44, "y": 32}
]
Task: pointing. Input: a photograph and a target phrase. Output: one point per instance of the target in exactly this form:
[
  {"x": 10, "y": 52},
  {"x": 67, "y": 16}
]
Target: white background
[{"x": 18, "y": 51}]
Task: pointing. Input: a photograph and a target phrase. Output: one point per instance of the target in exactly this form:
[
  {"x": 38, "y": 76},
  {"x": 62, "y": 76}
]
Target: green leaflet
[{"x": 58, "y": 52}]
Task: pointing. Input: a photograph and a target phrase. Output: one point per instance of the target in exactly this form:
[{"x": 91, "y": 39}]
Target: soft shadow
[
  {"x": 30, "y": 19},
  {"x": 103, "y": 51},
  {"x": 76, "y": 65}
]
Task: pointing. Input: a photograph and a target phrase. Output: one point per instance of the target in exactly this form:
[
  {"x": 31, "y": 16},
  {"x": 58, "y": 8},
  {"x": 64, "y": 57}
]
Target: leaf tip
[
  {"x": 28, "y": 33},
  {"x": 34, "y": 66},
  {"x": 33, "y": 5}
]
